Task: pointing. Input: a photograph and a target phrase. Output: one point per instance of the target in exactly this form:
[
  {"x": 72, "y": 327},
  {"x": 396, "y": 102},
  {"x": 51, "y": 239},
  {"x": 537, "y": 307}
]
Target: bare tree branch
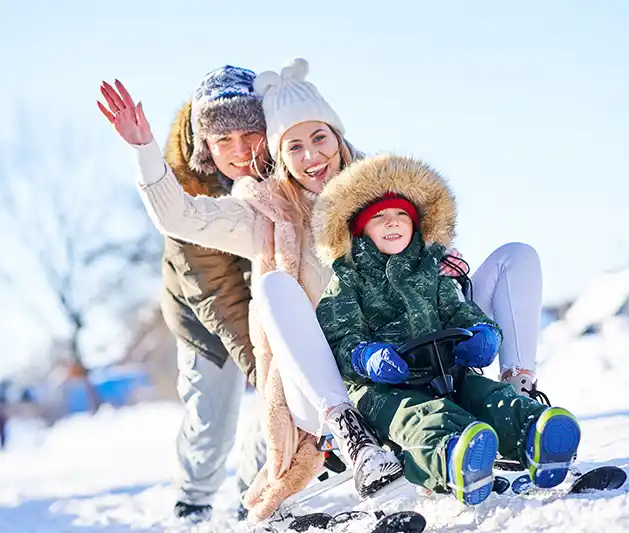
[{"x": 64, "y": 212}]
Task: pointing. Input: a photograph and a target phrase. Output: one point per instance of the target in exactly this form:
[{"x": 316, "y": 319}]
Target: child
[{"x": 383, "y": 225}]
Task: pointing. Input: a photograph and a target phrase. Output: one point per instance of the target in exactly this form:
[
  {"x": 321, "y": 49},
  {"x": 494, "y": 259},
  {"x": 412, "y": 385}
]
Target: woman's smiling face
[{"x": 310, "y": 151}]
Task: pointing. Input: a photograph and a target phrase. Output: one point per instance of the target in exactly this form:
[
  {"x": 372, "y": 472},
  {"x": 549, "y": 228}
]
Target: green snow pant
[{"x": 419, "y": 423}]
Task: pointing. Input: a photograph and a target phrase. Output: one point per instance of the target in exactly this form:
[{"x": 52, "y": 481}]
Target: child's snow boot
[
  {"x": 550, "y": 446},
  {"x": 470, "y": 458}
]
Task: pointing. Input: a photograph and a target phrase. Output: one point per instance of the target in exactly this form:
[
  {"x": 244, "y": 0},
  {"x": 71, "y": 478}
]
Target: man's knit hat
[
  {"x": 288, "y": 99},
  {"x": 390, "y": 200},
  {"x": 223, "y": 102}
]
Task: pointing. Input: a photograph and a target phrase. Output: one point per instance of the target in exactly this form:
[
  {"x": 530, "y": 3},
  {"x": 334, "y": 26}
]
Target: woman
[{"x": 269, "y": 223}]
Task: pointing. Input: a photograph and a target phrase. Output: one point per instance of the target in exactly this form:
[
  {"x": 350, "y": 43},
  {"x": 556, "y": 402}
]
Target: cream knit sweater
[{"x": 229, "y": 223}]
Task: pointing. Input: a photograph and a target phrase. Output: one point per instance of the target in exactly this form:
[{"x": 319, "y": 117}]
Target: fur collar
[
  {"x": 364, "y": 182},
  {"x": 177, "y": 154}
]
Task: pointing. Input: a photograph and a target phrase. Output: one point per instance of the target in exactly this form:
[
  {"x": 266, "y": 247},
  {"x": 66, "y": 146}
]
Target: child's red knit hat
[{"x": 389, "y": 200}]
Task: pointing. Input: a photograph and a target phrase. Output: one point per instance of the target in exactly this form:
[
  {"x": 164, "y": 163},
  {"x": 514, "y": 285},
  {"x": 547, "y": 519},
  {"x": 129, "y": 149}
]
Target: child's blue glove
[
  {"x": 480, "y": 350},
  {"x": 379, "y": 362}
]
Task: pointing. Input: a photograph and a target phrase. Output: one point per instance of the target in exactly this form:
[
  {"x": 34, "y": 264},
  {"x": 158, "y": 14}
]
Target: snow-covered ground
[{"x": 110, "y": 473}]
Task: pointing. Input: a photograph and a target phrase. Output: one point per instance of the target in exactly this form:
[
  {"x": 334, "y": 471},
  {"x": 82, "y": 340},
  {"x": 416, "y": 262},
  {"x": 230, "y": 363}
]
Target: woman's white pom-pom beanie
[{"x": 288, "y": 99}]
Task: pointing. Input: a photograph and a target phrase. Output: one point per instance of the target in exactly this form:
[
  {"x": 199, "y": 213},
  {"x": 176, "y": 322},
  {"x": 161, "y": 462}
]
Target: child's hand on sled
[
  {"x": 480, "y": 350},
  {"x": 380, "y": 363}
]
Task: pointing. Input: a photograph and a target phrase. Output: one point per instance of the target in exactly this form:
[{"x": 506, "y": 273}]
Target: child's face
[{"x": 391, "y": 230}]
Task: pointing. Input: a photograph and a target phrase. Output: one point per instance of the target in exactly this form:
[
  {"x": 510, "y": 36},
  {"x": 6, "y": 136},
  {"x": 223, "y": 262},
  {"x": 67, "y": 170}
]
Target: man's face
[{"x": 238, "y": 153}]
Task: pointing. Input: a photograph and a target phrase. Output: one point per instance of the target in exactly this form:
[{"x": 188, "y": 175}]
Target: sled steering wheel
[{"x": 431, "y": 342}]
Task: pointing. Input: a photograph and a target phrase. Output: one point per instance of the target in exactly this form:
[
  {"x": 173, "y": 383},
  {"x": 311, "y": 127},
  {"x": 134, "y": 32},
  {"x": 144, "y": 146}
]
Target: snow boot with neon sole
[
  {"x": 470, "y": 459},
  {"x": 551, "y": 445}
]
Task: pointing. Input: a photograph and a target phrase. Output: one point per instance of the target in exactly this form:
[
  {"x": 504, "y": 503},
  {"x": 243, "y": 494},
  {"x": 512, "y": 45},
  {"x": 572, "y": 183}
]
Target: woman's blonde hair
[{"x": 288, "y": 192}]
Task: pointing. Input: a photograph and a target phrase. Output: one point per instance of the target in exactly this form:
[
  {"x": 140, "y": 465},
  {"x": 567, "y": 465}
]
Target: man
[{"x": 216, "y": 138}]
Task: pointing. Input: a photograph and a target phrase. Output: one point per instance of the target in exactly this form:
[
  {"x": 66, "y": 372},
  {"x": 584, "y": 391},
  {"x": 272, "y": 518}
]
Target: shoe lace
[
  {"x": 538, "y": 395},
  {"x": 353, "y": 428}
]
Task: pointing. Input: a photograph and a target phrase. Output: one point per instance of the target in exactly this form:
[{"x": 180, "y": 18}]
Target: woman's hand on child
[
  {"x": 127, "y": 118},
  {"x": 480, "y": 350},
  {"x": 455, "y": 265},
  {"x": 380, "y": 363}
]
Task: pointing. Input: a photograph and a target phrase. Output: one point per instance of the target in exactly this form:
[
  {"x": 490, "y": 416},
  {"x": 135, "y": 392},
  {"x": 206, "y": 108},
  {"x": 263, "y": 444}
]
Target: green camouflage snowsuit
[{"x": 393, "y": 299}]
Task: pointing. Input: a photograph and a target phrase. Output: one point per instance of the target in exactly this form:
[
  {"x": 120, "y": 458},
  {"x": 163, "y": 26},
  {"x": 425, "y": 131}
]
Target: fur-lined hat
[
  {"x": 223, "y": 102},
  {"x": 363, "y": 183}
]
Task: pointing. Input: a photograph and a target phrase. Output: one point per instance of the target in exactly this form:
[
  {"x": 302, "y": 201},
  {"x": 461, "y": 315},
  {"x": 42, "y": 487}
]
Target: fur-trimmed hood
[
  {"x": 364, "y": 182},
  {"x": 178, "y": 152}
]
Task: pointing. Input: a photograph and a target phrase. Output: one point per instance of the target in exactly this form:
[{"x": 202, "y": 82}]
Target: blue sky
[{"x": 524, "y": 107}]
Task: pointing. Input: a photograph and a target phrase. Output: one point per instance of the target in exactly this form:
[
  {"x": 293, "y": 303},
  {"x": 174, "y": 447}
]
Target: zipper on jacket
[{"x": 399, "y": 291}]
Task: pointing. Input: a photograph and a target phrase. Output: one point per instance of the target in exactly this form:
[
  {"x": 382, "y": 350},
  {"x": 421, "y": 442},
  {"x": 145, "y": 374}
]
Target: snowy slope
[
  {"x": 589, "y": 373},
  {"x": 110, "y": 473},
  {"x": 599, "y": 301}
]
